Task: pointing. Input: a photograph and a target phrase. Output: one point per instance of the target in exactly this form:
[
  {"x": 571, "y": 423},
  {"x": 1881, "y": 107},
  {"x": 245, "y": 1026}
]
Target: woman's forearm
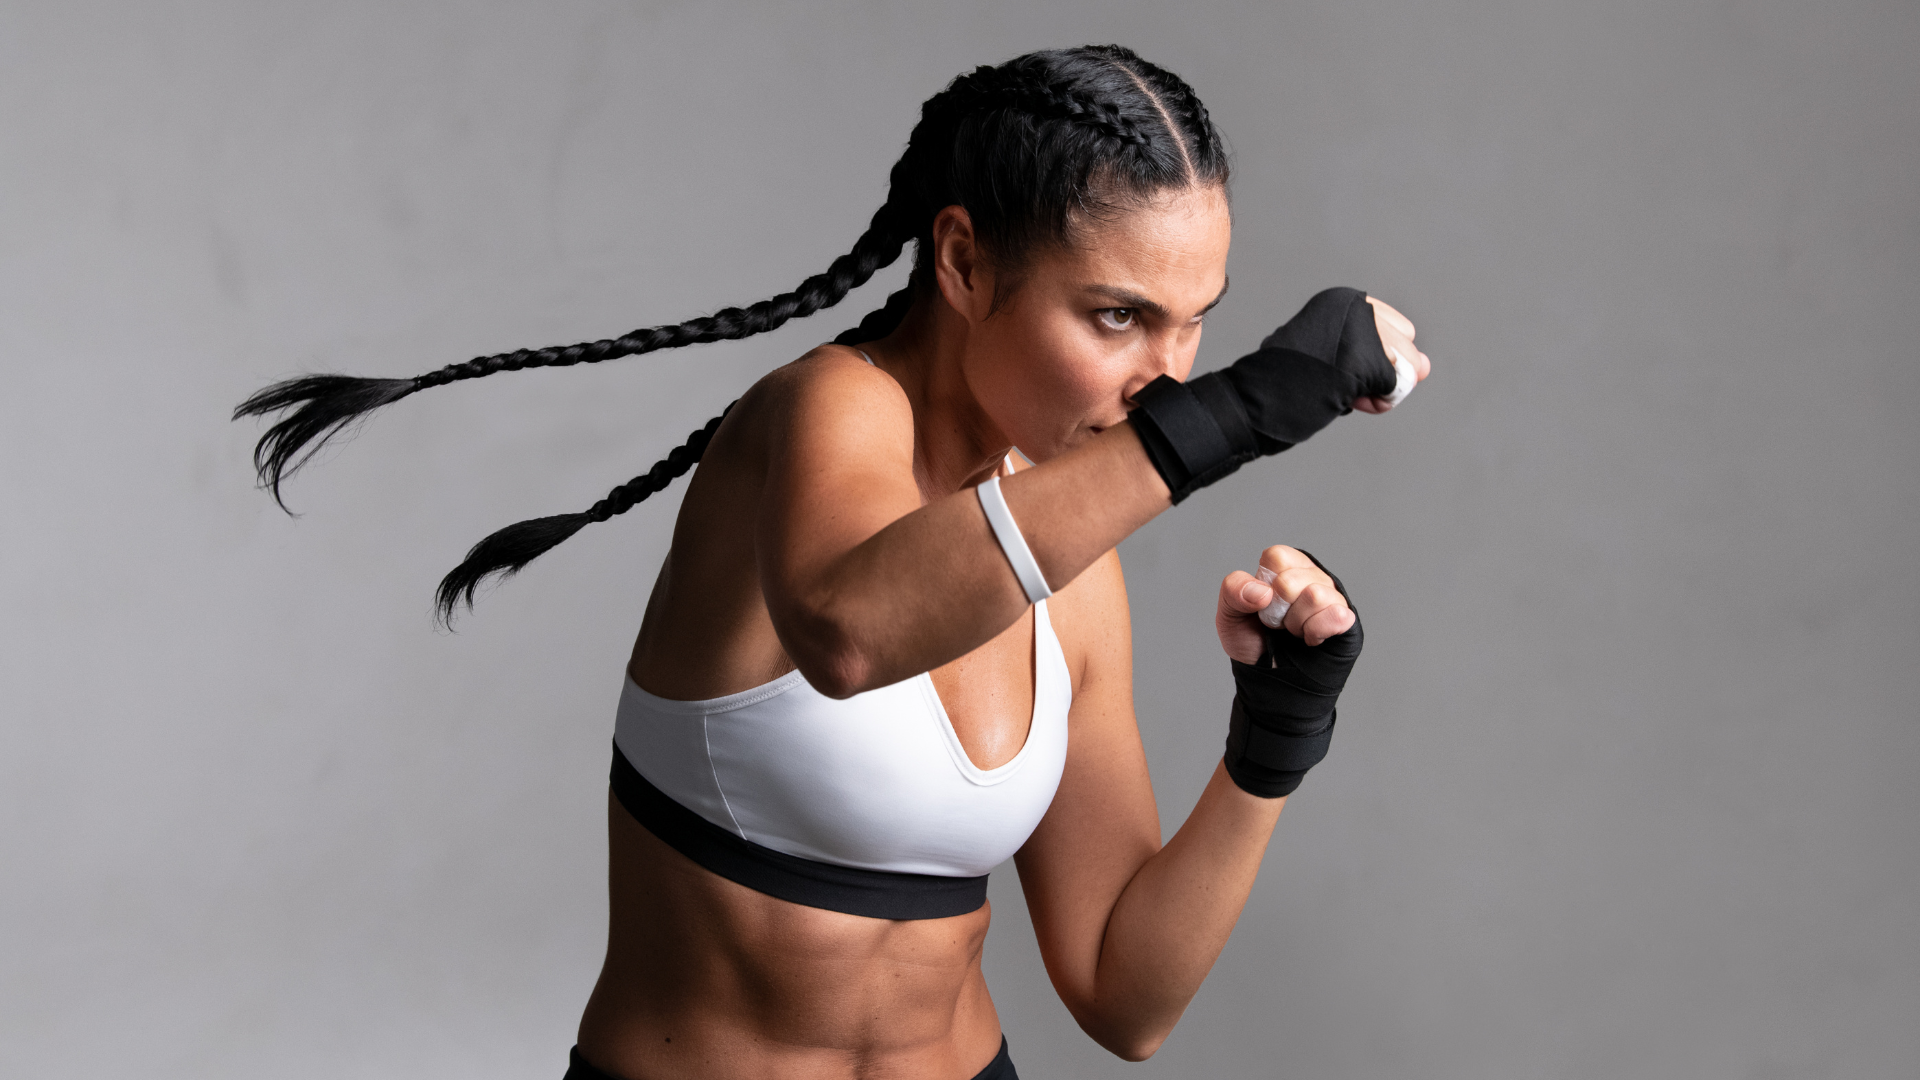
[
  {"x": 1175, "y": 916},
  {"x": 864, "y": 620}
]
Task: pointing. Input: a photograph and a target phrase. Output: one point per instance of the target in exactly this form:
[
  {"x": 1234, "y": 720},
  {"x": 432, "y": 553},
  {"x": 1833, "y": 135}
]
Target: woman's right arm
[{"x": 865, "y": 585}]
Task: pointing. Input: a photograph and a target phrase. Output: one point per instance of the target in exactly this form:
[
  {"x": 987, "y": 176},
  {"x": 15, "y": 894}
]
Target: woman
[{"x": 855, "y": 687}]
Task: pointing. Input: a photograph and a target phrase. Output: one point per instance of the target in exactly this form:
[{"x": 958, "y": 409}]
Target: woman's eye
[{"x": 1117, "y": 318}]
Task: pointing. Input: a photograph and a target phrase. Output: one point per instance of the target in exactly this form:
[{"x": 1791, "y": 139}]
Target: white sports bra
[
  {"x": 877, "y": 781},
  {"x": 867, "y": 805}
]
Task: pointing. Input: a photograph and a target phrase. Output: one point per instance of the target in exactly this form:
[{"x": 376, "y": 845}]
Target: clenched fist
[{"x": 1316, "y": 610}]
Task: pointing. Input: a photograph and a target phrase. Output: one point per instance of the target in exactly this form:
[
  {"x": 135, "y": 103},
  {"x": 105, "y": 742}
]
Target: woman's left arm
[{"x": 1129, "y": 928}]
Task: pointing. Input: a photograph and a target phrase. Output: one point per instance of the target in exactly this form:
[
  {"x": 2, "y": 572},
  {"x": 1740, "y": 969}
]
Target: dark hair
[{"x": 1031, "y": 149}]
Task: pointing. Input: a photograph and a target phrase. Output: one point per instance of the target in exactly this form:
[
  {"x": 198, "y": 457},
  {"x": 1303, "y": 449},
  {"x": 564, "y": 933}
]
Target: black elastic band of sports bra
[{"x": 876, "y": 894}]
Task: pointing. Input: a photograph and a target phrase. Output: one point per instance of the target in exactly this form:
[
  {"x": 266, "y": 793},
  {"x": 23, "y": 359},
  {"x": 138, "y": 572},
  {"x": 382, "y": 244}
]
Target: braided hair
[{"x": 1033, "y": 149}]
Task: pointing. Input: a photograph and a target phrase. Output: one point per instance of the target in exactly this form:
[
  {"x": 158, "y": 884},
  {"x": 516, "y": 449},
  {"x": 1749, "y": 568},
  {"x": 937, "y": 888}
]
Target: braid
[
  {"x": 990, "y": 87},
  {"x": 1201, "y": 120},
  {"x": 1175, "y": 94},
  {"x": 881, "y": 321},
  {"x": 326, "y": 404},
  {"x": 507, "y": 551},
  {"x": 846, "y": 273},
  {"x": 1077, "y": 106}
]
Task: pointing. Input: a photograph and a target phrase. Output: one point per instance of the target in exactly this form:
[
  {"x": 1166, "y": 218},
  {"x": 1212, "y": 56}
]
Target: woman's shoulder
[
  {"x": 831, "y": 396},
  {"x": 831, "y": 372}
]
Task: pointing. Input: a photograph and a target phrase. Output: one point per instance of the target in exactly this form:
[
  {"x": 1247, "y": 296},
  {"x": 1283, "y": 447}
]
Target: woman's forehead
[{"x": 1173, "y": 250}]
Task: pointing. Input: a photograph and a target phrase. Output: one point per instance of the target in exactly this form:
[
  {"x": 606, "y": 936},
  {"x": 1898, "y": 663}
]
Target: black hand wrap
[
  {"x": 1283, "y": 714},
  {"x": 1304, "y": 376}
]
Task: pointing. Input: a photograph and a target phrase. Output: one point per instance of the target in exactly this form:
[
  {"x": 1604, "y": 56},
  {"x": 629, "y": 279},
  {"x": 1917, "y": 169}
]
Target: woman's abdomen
[{"x": 707, "y": 978}]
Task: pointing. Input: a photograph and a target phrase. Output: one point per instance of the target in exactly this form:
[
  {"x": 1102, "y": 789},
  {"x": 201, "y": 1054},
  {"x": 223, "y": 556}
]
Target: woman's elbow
[
  {"x": 1134, "y": 1048},
  {"x": 838, "y": 676},
  {"x": 1124, "y": 1039},
  {"x": 827, "y": 655}
]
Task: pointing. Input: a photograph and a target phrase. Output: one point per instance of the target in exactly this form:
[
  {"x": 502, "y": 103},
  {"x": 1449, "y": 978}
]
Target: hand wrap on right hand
[
  {"x": 1283, "y": 714},
  {"x": 1304, "y": 376}
]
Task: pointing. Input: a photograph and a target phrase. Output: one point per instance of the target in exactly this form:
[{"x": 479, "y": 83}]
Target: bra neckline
[
  {"x": 958, "y": 750},
  {"x": 924, "y": 681}
]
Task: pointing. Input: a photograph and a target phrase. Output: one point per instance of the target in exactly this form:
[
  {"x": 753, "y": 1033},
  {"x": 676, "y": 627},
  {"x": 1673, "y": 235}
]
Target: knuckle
[{"x": 1280, "y": 558}]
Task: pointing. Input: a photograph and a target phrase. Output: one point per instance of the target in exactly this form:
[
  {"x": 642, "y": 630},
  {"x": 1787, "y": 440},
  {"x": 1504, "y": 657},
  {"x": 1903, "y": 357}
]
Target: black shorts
[{"x": 1000, "y": 1068}]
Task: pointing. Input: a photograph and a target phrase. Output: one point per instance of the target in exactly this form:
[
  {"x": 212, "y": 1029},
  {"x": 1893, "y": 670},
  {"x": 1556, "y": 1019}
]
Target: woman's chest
[{"x": 989, "y": 694}]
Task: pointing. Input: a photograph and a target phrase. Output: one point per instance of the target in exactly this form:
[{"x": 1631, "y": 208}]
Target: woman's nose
[
  {"x": 1170, "y": 356},
  {"x": 1174, "y": 363}
]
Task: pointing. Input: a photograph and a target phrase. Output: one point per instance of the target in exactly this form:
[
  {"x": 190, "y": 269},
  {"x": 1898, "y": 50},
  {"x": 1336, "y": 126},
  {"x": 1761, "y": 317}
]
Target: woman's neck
[{"x": 956, "y": 444}]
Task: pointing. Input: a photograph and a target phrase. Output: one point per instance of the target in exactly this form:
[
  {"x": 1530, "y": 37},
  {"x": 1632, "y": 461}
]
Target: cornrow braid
[
  {"x": 1185, "y": 103},
  {"x": 1199, "y": 120},
  {"x": 324, "y": 405},
  {"x": 1062, "y": 101},
  {"x": 510, "y": 549}
]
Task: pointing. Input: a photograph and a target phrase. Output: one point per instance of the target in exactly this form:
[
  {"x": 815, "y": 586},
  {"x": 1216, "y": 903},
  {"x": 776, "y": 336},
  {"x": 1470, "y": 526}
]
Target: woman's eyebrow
[
  {"x": 1225, "y": 284},
  {"x": 1129, "y": 298}
]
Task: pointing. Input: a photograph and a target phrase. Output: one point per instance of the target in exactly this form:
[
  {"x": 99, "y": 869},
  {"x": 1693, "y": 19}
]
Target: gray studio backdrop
[{"x": 1623, "y": 786}]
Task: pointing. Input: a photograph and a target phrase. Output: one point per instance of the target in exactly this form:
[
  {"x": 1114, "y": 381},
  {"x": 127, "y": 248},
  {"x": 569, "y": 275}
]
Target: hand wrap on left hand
[
  {"x": 1283, "y": 714},
  {"x": 1304, "y": 376}
]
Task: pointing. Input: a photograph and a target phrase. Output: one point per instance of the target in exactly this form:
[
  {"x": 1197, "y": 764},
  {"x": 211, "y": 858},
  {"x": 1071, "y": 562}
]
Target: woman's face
[{"x": 1091, "y": 324}]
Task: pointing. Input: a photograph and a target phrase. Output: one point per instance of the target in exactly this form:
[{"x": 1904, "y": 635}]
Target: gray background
[{"x": 1623, "y": 787}]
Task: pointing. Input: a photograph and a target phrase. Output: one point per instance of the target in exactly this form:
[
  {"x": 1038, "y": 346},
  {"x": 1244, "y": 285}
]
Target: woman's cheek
[
  {"x": 1076, "y": 380},
  {"x": 1047, "y": 412},
  {"x": 1068, "y": 377}
]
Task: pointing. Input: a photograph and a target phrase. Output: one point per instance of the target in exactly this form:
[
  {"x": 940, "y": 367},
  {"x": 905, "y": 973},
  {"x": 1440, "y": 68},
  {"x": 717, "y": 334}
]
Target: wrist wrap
[
  {"x": 1304, "y": 376},
  {"x": 1283, "y": 712}
]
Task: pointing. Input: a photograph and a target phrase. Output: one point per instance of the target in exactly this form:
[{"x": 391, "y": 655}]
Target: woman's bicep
[
  {"x": 865, "y": 585},
  {"x": 1103, "y": 824},
  {"x": 838, "y": 441},
  {"x": 839, "y": 466}
]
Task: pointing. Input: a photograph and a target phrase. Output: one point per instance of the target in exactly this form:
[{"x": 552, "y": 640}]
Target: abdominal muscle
[{"x": 706, "y": 978}]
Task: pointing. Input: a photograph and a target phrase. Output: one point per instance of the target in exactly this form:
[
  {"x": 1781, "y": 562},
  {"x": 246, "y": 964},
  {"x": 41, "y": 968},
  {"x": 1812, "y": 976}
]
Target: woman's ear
[{"x": 962, "y": 274}]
